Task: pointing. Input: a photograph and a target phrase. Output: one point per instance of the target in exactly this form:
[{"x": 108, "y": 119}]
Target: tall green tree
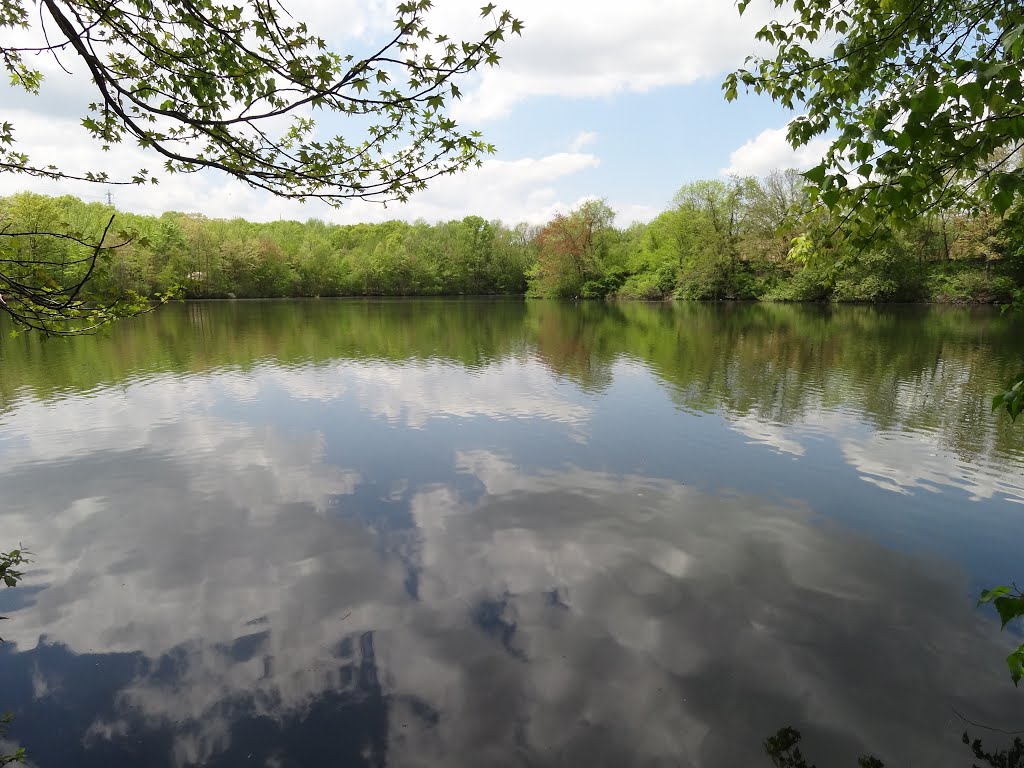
[
  {"x": 712, "y": 213},
  {"x": 573, "y": 252}
]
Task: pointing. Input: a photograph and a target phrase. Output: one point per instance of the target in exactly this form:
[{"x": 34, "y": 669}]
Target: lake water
[{"x": 489, "y": 533}]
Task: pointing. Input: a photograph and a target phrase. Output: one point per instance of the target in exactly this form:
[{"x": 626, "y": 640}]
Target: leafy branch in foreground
[
  {"x": 237, "y": 88},
  {"x": 234, "y": 87},
  {"x": 922, "y": 102},
  {"x": 1009, "y": 602},
  {"x": 43, "y": 290}
]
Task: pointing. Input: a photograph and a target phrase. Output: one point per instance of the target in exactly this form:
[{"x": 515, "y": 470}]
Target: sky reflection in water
[{"x": 554, "y": 550}]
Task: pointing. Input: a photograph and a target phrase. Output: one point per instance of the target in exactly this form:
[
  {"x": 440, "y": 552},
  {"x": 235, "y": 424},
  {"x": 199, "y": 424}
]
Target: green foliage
[
  {"x": 9, "y": 565},
  {"x": 757, "y": 238},
  {"x": 968, "y": 284},
  {"x": 1012, "y": 398},
  {"x": 647, "y": 285},
  {"x": 923, "y": 102},
  {"x": 808, "y": 284},
  {"x": 885, "y": 273},
  {"x": 1009, "y": 603},
  {"x": 48, "y": 262},
  {"x": 10, "y": 573}
]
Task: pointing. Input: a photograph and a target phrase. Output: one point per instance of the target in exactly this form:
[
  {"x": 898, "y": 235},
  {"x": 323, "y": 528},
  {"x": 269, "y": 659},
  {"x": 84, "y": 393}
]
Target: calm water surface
[{"x": 476, "y": 533}]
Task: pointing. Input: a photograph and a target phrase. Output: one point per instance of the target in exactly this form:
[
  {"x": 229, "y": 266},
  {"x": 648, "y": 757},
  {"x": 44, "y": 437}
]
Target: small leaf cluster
[
  {"x": 1009, "y": 603},
  {"x": 1012, "y": 398},
  {"x": 9, "y": 564},
  {"x": 10, "y": 574}
]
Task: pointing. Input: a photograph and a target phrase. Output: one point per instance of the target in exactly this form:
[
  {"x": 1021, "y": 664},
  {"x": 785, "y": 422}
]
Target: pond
[{"x": 500, "y": 532}]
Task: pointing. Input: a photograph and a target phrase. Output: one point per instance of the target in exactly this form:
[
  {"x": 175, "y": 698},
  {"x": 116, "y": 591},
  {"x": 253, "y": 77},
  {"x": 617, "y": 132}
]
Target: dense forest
[{"x": 742, "y": 238}]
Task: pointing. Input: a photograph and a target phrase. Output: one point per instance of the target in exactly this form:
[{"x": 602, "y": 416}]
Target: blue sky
[
  {"x": 597, "y": 99},
  {"x": 648, "y": 144}
]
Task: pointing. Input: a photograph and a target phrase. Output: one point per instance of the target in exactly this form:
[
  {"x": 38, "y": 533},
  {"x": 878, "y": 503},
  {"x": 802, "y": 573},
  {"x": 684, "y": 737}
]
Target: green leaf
[
  {"x": 988, "y": 595},
  {"x": 1015, "y": 661},
  {"x": 1009, "y": 608},
  {"x": 816, "y": 175}
]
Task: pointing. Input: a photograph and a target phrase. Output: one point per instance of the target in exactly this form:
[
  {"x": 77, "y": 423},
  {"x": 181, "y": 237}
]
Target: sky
[{"x": 597, "y": 99}]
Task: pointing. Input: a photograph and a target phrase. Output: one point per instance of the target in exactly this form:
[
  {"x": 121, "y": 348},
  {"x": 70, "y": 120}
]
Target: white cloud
[
  {"x": 523, "y": 189},
  {"x": 770, "y": 151},
  {"x": 901, "y": 459},
  {"x": 569, "y": 49},
  {"x": 584, "y": 139},
  {"x": 589, "y": 49},
  {"x": 759, "y": 431},
  {"x": 895, "y": 461},
  {"x": 61, "y": 141},
  {"x": 631, "y": 213},
  {"x": 414, "y": 394}
]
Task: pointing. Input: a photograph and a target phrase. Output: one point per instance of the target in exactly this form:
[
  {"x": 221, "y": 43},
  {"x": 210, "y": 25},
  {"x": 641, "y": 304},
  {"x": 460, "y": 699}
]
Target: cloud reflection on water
[{"x": 218, "y": 569}]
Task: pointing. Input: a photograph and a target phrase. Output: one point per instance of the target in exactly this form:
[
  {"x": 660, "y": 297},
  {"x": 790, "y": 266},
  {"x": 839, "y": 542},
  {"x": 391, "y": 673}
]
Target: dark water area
[{"x": 469, "y": 532}]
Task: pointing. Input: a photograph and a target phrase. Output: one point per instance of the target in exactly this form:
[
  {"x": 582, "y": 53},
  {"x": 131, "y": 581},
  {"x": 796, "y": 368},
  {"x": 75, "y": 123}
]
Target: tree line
[{"x": 741, "y": 238}]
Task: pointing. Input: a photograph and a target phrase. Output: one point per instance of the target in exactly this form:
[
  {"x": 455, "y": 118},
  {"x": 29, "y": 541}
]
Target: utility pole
[{"x": 110, "y": 198}]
